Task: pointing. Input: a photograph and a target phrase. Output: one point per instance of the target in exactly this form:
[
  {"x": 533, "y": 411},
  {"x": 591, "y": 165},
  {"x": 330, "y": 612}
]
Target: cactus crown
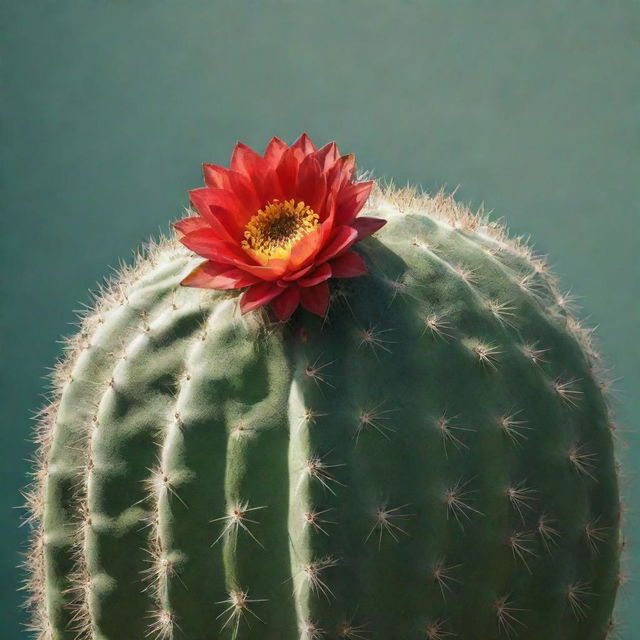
[{"x": 432, "y": 459}]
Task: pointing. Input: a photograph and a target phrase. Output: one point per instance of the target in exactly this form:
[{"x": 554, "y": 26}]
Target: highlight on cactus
[{"x": 293, "y": 421}]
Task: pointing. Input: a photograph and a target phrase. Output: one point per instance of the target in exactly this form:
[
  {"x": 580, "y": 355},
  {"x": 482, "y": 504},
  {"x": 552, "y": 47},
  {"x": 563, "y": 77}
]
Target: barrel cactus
[{"x": 421, "y": 452}]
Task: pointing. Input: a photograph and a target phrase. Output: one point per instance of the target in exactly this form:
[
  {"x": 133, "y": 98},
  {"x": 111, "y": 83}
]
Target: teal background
[{"x": 109, "y": 107}]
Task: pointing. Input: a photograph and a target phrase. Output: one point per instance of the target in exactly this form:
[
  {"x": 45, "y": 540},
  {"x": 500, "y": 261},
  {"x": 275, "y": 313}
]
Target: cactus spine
[{"x": 433, "y": 460}]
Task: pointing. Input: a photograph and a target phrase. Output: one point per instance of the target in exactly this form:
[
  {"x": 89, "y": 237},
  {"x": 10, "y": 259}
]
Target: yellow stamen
[{"x": 274, "y": 230}]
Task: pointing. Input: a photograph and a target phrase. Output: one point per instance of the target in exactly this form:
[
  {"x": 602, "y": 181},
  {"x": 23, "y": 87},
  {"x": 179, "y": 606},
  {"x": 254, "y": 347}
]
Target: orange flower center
[{"x": 274, "y": 230}]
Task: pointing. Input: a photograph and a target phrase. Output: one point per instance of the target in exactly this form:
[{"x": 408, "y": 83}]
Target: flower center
[{"x": 274, "y": 230}]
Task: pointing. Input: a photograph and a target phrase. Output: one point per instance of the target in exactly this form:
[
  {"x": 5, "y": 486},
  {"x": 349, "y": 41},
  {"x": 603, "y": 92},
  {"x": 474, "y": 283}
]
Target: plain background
[{"x": 109, "y": 107}]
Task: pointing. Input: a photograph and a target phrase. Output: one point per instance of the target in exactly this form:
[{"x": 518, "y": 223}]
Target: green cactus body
[{"x": 432, "y": 460}]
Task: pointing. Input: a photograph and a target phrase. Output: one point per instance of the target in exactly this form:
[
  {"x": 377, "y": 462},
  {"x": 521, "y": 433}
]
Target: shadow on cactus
[{"x": 279, "y": 426}]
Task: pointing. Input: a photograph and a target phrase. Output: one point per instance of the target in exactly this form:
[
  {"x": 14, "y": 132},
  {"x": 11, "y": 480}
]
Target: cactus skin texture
[{"x": 433, "y": 460}]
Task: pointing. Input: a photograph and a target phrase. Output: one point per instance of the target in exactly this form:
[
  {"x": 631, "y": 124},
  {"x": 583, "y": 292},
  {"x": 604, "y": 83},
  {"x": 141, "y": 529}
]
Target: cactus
[{"x": 433, "y": 459}]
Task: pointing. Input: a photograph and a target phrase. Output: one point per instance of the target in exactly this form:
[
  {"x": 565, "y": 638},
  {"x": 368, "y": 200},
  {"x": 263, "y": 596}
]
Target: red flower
[{"x": 281, "y": 224}]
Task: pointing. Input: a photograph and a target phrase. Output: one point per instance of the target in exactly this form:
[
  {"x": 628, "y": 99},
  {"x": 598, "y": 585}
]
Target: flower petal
[
  {"x": 327, "y": 216},
  {"x": 316, "y": 299},
  {"x": 221, "y": 209},
  {"x": 311, "y": 187},
  {"x": 348, "y": 265},
  {"x": 351, "y": 200},
  {"x": 366, "y": 226},
  {"x": 304, "y": 143},
  {"x": 305, "y": 249},
  {"x": 245, "y": 191},
  {"x": 341, "y": 173},
  {"x": 205, "y": 197},
  {"x": 294, "y": 275},
  {"x": 213, "y": 275},
  {"x": 274, "y": 150},
  {"x": 246, "y": 161},
  {"x": 328, "y": 155},
  {"x": 259, "y": 294},
  {"x": 286, "y": 303},
  {"x": 288, "y": 171},
  {"x": 215, "y": 176},
  {"x": 272, "y": 270},
  {"x": 207, "y": 244},
  {"x": 187, "y": 225},
  {"x": 343, "y": 237},
  {"x": 320, "y": 274},
  {"x": 269, "y": 188}
]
